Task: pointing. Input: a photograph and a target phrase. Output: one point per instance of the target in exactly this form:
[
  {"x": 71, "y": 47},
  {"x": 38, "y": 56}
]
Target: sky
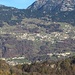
[{"x": 21, "y": 4}]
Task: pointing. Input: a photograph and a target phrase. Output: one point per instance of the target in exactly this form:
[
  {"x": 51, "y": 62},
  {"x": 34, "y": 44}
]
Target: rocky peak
[
  {"x": 68, "y": 5},
  {"x": 2, "y": 5},
  {"x": 64, "y": 5},
  {"x": 37, "y": 4}
]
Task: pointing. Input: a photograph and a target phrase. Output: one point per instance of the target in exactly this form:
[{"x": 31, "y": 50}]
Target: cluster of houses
[
  {"x": 16, "y": 60},
  {"x": 43, "y": 37},
  {"x": 59, "y": 54}
]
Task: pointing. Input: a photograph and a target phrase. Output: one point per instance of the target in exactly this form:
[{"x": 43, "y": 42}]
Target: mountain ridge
[
  {"x": 66, "y": 5},
  {"x": 54, "y": 10},
  {"x": 58, "y": 11}
]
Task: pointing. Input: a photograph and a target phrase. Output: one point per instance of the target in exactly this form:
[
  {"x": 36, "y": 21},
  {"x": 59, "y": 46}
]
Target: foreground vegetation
[{"x": 62, "y": 67}]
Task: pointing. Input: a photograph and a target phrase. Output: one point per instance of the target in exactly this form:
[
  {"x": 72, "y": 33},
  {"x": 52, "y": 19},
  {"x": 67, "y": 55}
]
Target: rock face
[
  {"x": 68, "y": 5},
  {"x": 64, "y": 5},
  {"x": 54, "y": 10}
]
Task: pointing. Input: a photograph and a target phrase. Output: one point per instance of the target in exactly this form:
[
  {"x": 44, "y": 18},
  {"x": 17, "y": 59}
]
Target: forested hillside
[{"x": 43, "y": 31}]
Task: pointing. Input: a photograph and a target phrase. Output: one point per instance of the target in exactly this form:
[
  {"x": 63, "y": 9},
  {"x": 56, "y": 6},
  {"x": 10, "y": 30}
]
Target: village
[{"x": 22, "y": 60}]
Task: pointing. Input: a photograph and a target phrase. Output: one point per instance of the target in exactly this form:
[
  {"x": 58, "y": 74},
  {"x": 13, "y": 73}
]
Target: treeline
[{"x": 62, "y": 67}]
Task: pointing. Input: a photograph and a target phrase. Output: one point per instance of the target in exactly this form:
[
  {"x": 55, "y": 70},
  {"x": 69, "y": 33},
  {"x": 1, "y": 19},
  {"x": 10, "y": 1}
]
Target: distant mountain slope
[{"x": 10, "y": 15}]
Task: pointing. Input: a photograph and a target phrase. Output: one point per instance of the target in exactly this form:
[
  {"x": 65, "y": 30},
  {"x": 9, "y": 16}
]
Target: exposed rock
[{"x": 64, "y": 5}]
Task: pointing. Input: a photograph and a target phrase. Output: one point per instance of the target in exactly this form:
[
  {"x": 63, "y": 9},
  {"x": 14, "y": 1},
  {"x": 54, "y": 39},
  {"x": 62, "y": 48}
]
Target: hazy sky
[{"x": 21, "y": 4}]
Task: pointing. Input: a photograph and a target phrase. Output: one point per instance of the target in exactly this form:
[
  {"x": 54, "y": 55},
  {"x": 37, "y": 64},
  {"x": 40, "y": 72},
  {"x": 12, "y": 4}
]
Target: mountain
[
  {"x": 43, "y": 31},
  {"x": 10, "y": 15},
  {"x": 63, "y": 5},
  {"x": 52, "y": 10},
  {"x": 55, "y": 10}
]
